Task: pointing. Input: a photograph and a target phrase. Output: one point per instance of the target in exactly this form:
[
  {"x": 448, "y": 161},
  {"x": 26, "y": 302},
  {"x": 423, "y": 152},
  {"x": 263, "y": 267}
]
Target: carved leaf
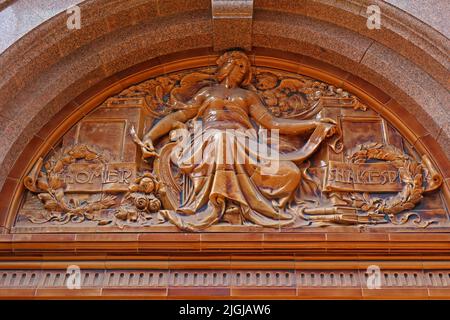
[
  {"x": 51, "y": 205},
  {"x": 122, "y": 214},
  {"x": 159, "y": 94},
  {"x": 55, "y": 182},
  {"x": 67, "y": 160},
  {"x": 90, "y": 156},
  {"x": 44, "y": 197},
  {"x": 59, "y": 166},
  {"x": 59, "y": 194},
  {"x": 42, "y": 184}
]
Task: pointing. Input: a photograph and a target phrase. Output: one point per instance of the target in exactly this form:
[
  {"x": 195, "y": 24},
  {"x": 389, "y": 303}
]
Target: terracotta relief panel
[{"x": 233, "y": 147}]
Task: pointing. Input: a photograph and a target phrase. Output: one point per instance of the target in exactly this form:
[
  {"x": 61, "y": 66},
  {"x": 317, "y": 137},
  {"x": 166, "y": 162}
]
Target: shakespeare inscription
[{"x": 370, "y": 177}]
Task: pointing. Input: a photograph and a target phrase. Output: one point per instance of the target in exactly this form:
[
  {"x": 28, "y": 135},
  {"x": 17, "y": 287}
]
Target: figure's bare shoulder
[
  {"x": 201, "y": 95},
  {"x": 253, "y": 99},
  {"x": 204, "y": 90}
]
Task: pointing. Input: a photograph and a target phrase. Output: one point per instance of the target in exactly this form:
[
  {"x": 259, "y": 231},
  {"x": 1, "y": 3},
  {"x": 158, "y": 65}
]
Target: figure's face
[{"x": 233, "y": 70}]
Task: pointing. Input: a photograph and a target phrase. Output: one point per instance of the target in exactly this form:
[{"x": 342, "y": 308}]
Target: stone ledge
[
  {"x": 223, "y": 243},
  {"x": 226, "y": 283}
]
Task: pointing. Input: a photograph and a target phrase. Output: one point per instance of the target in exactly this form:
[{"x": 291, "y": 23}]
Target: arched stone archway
[
  {"x": 409, "y": 67},
  {"x": 53, "y": 75}
]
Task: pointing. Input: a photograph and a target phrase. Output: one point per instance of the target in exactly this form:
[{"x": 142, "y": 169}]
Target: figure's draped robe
[{"x": 223, "y": 167}]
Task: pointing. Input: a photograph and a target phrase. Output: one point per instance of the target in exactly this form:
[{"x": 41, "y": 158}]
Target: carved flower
[
  {"x": 126, "y": 214},
  {"x": 269, "y": 98},
  {"x": 141, "y": 201},
  {"x": 146, "y": 185},
  {"x": 154, "y": 205},
  {"x": 296, "y": 102},
  {"x": 266, "y": 81}
]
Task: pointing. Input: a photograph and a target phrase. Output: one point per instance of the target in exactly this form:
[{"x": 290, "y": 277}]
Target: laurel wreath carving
[
  {"x": 50, "y": 188},
  {"x": 411, "y": 174}
]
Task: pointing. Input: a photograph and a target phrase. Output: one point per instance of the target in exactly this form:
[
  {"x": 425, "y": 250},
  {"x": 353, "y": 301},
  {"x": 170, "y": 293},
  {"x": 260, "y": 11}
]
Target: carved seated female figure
[{"x": 258, "y": 189}]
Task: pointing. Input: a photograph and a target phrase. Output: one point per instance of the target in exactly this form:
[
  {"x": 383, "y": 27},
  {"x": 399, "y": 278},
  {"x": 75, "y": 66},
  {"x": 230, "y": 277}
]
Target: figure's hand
[
  {"x": 328, "y": 120},
  {"x": 332, "y": 126},
  {"x": 332, "y": 132},
  {"x": 148, "y": 150}
]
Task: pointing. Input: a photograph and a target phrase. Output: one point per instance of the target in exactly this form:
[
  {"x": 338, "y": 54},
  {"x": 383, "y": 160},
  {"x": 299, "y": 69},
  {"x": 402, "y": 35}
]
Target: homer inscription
[{"x": 81, "y": 177}]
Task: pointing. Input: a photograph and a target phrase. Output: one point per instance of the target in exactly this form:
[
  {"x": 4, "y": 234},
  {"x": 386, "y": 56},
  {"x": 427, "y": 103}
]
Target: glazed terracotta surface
[
  {"x": 166, "y": 165},
  {"x": 200, "y": 165}
]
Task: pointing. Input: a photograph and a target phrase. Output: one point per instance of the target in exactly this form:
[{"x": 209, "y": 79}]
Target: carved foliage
[
  {"x": 142, "y": 202},
  {"x": 50, "y": 188}
]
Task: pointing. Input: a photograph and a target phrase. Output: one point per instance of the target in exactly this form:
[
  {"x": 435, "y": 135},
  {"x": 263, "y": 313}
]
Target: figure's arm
[
  {"x": 169, "y": 122},
  {"x": 285, "y": 126},
  {"x": 195, "y": 102},
  {"x": 173, "y": 121}
]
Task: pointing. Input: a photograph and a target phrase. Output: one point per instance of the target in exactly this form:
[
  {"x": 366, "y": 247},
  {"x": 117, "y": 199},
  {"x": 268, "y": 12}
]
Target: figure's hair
[{"x": 237, "y": 55}]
